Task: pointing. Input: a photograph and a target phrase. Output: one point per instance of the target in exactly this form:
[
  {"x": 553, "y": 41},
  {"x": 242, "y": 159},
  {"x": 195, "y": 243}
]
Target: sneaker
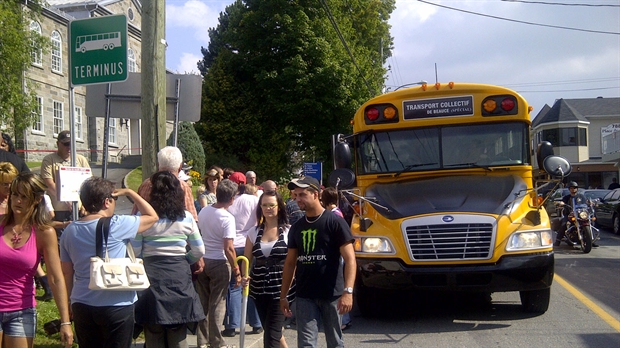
[
  {"x": 595, "y": 245},
  {"x": 256, "y": 331},
  {"x": 229, "y": 333}
]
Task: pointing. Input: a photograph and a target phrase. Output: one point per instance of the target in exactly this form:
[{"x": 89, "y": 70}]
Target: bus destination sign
[
  {"x": 438, "y": 107},
  {"x": 98, "y": 50}
]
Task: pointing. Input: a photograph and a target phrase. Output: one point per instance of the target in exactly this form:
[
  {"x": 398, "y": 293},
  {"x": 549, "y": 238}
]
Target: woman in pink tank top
[{"x": 26, "y": 235}]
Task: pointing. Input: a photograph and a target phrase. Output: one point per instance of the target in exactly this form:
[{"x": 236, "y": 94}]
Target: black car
[
  {"x": 594, "y": 194},
  {"x": 608, "y": 211}
]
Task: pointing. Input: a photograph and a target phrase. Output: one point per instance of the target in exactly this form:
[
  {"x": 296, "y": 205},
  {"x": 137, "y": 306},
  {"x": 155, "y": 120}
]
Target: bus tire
[
  {"x": 83, "y": 49},
  {"x": 535, "y": 301},
  {"x": 111, "y": 46}
]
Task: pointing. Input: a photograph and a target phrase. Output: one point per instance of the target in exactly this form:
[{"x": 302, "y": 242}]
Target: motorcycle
[{"x": 579, "y": 227}]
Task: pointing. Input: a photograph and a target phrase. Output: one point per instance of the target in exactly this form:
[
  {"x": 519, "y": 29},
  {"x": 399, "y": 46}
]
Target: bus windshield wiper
[
  {"x": 411, "y": 166},
  {"x": 469, "y": 164}
]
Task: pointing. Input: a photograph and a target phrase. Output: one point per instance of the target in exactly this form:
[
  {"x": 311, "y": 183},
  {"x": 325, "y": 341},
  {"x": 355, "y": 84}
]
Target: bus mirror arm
[{"x": 370, "y": 200}]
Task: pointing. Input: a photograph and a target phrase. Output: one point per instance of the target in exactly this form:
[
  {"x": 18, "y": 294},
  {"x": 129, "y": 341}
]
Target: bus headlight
[
  {"x": 373, "y": 245},
  {"x": 529, "y": 240}
]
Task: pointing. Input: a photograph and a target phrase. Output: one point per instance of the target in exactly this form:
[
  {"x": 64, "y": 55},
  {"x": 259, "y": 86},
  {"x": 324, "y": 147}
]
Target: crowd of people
[{"x": 189, "y": 246}]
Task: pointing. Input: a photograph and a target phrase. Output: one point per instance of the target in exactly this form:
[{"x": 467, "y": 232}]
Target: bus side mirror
[
  {"x": 342, "y": 154},
  {"x": 342, "y": 179},
  {"x": 556, "y": 166},
  {"x": 544, "y": 150}
]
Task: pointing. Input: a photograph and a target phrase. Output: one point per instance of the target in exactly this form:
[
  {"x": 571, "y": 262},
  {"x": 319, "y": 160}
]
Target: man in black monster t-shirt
[{"x": 324, "y": 290}]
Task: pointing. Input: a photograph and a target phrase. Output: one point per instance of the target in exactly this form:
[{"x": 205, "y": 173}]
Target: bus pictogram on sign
[{"x": 103, "y": 41}]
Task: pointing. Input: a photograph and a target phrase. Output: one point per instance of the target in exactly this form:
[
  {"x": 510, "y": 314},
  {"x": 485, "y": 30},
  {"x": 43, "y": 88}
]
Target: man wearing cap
[
  {"x": 244, "y": 211},
  {"x": 324, "y": 285},
  {"x": 49, "y": 170}
]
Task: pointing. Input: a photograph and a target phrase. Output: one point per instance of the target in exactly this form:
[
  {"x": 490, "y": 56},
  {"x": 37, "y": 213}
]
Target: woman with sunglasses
[
  {"x": 102, "y": 318},
  {"x": 267, "y": 244},
  {"x": 27, "y": 236}
]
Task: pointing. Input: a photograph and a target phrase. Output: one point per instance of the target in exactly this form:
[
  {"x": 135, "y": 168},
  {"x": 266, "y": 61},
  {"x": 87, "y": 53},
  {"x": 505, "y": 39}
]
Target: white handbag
[{"x": 117, "y": 274}]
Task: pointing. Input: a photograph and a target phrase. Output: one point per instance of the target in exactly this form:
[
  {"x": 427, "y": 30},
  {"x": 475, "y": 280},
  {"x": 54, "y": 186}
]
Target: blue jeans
[
  {"x": 19, "y": 323},
  {"x": 308, "y": 313},
  {"x": 233, "y": 305}
]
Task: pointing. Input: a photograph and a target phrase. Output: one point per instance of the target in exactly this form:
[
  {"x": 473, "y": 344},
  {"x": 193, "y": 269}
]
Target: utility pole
[{"x": 153, "y": 75}]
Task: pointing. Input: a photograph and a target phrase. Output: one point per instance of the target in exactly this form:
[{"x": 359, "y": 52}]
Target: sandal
[{"x": 346, "y": 326}]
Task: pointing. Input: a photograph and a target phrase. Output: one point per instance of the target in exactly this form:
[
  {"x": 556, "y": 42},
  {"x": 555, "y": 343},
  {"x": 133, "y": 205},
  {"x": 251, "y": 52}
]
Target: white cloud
[
  {"x": 188, "y": 64},
  {"x": 194, "y": 15}
]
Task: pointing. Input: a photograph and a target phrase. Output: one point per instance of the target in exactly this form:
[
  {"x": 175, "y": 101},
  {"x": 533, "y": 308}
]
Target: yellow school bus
[{"x": 441, "y": 180}]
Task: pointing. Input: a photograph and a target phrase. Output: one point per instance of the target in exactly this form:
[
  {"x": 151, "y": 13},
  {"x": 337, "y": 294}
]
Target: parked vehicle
[
  {"x": 595, "y": 195},
  {"x": 608, "y": 211}
]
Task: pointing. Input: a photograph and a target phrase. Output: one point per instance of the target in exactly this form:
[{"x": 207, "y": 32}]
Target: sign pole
[
  {"x": 106, "y": 133},
  {"x": 73, "y": 150}
]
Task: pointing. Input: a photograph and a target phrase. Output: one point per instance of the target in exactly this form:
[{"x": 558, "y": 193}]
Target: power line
[
  {"x": 346, "y": 47},
  {"x": 561, "y": 4},
  {"x": 571, "y": 90},
  {"x": 518, "y": 21}
]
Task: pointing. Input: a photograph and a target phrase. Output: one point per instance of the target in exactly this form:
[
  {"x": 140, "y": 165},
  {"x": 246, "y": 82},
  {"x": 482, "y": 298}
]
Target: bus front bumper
[{"x": 510, "y": 273}]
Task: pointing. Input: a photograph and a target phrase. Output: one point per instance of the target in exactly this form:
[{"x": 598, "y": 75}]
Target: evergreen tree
[
  {"x": 189, "y": 144},
  {"x": 278, "y": 81}
]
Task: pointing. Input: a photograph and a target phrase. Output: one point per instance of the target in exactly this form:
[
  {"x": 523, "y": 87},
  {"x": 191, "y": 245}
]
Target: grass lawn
[
  {"x": 134, "y": 179},
  {"x": 33, "y": 164},
  {"x": 46, "y": 311}
]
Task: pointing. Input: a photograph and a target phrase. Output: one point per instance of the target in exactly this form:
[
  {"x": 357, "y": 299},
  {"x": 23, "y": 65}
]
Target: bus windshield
[{"x": 443, "y": 147}]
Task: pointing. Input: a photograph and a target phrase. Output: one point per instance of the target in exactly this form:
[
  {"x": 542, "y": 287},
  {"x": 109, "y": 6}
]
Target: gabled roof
[
  {"x": 69, "y": 3},
  {"x": 577, "y": 110}
]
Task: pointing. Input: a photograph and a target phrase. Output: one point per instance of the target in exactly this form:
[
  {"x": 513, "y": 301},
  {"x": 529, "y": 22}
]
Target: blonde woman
[
  {"x": 8, "y": 172},
  {"x": 27, "y": 236}
]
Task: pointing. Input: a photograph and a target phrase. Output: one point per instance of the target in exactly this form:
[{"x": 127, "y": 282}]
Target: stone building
[{"x": 50, "y": 72}]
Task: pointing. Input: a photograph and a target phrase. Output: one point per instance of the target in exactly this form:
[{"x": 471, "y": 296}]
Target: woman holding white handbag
[{"x": 102, "y": 318}]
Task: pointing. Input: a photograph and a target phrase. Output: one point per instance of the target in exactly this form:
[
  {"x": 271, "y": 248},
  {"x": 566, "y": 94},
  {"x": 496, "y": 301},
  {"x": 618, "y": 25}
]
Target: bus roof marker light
[
  {"x": 508, "y": 104},
  {"x": 389, "y": 113},
  {"x": 451, "y": 84},
  {"x": 489, "y": 105},
  {"x": 437, "y": 85},
  {"x": 372, "y": 114},
  {"x": 424, "y": 85}
]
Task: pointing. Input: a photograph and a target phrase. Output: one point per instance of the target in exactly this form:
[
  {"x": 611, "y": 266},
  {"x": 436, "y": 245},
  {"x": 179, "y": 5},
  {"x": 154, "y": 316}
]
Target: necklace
[
  {"x": 17, "y": 237},
  {"x": 316, "y": 219}
]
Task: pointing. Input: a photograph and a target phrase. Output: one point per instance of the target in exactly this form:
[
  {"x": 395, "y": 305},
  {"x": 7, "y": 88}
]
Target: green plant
[{"x": 191, "y": 148}]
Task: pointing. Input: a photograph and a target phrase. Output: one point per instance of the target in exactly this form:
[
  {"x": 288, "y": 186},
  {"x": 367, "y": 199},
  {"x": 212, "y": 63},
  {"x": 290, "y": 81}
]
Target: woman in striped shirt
[
  {"x": 267, "y": 244},
  {"x": 171, "y": 302}
]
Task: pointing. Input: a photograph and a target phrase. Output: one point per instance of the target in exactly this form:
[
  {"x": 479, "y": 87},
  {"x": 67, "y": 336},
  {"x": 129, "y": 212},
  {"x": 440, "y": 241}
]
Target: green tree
[
  {"x": 17, "y": 42},
  {"x": 278, "y": 81},
  {"x": 189, "y": 144}
]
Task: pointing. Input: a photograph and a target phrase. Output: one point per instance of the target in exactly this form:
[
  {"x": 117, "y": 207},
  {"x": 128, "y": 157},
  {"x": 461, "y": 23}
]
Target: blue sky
[{"x": 540, "y": 62}]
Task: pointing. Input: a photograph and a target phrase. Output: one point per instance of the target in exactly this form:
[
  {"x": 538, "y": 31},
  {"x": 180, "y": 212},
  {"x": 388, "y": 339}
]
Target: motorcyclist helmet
[{"x": 573, "y": 184}]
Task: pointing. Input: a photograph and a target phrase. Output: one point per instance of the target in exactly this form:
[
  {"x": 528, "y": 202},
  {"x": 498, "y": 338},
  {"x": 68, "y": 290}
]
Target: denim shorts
[{"x": 19, "y": 323}]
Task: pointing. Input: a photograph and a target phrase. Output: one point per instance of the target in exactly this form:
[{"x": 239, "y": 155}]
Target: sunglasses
[
  {"x": 67, "y": 144},
  {"x": 113, "y": 197}
]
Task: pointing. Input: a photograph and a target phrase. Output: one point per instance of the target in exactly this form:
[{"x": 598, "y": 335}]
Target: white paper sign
[{"x": 69, "y": 181}]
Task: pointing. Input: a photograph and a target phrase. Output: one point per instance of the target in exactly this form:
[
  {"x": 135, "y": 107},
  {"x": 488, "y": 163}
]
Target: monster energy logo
[{"x": 309, "y": 240}]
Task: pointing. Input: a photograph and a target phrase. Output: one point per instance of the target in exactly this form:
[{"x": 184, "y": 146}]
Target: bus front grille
[{"x": 450, "y": 242}]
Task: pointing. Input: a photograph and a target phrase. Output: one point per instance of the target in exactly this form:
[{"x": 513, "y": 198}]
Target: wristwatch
[{"x": 348, "y": 290}]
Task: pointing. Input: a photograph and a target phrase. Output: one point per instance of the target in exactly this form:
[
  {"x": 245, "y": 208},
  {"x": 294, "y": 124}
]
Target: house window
[
  {"x": 56, "y": 52},
  {"x": 78, "y": 122},
  {"x": 112, "y": 133},
  {"x": 36, "y": 54},
  {"x": 552, "y": 136},
  {"x": 59, "y": 123},
  {"x": 131, "y": 61},
  {"x": 568, "y": 137},
  {"x": 583, "y": 137},
  {"x": 37, "y": 115}
]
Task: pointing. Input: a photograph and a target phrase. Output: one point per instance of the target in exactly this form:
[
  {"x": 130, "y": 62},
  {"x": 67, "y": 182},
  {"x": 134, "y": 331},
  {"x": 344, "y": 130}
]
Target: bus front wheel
[{"x": 535, "y": 301}]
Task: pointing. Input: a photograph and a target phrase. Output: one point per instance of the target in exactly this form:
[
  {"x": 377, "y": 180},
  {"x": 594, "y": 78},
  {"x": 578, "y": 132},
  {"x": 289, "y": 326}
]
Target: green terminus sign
[{"x": 98, "y": 49}]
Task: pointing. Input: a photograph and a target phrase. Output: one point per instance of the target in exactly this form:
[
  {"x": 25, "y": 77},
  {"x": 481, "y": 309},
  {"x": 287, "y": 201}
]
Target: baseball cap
[
  {"x": 64, "y": 136},
  {"x": 305, "y": 182},
  {"x": 237, "y": 177}
]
